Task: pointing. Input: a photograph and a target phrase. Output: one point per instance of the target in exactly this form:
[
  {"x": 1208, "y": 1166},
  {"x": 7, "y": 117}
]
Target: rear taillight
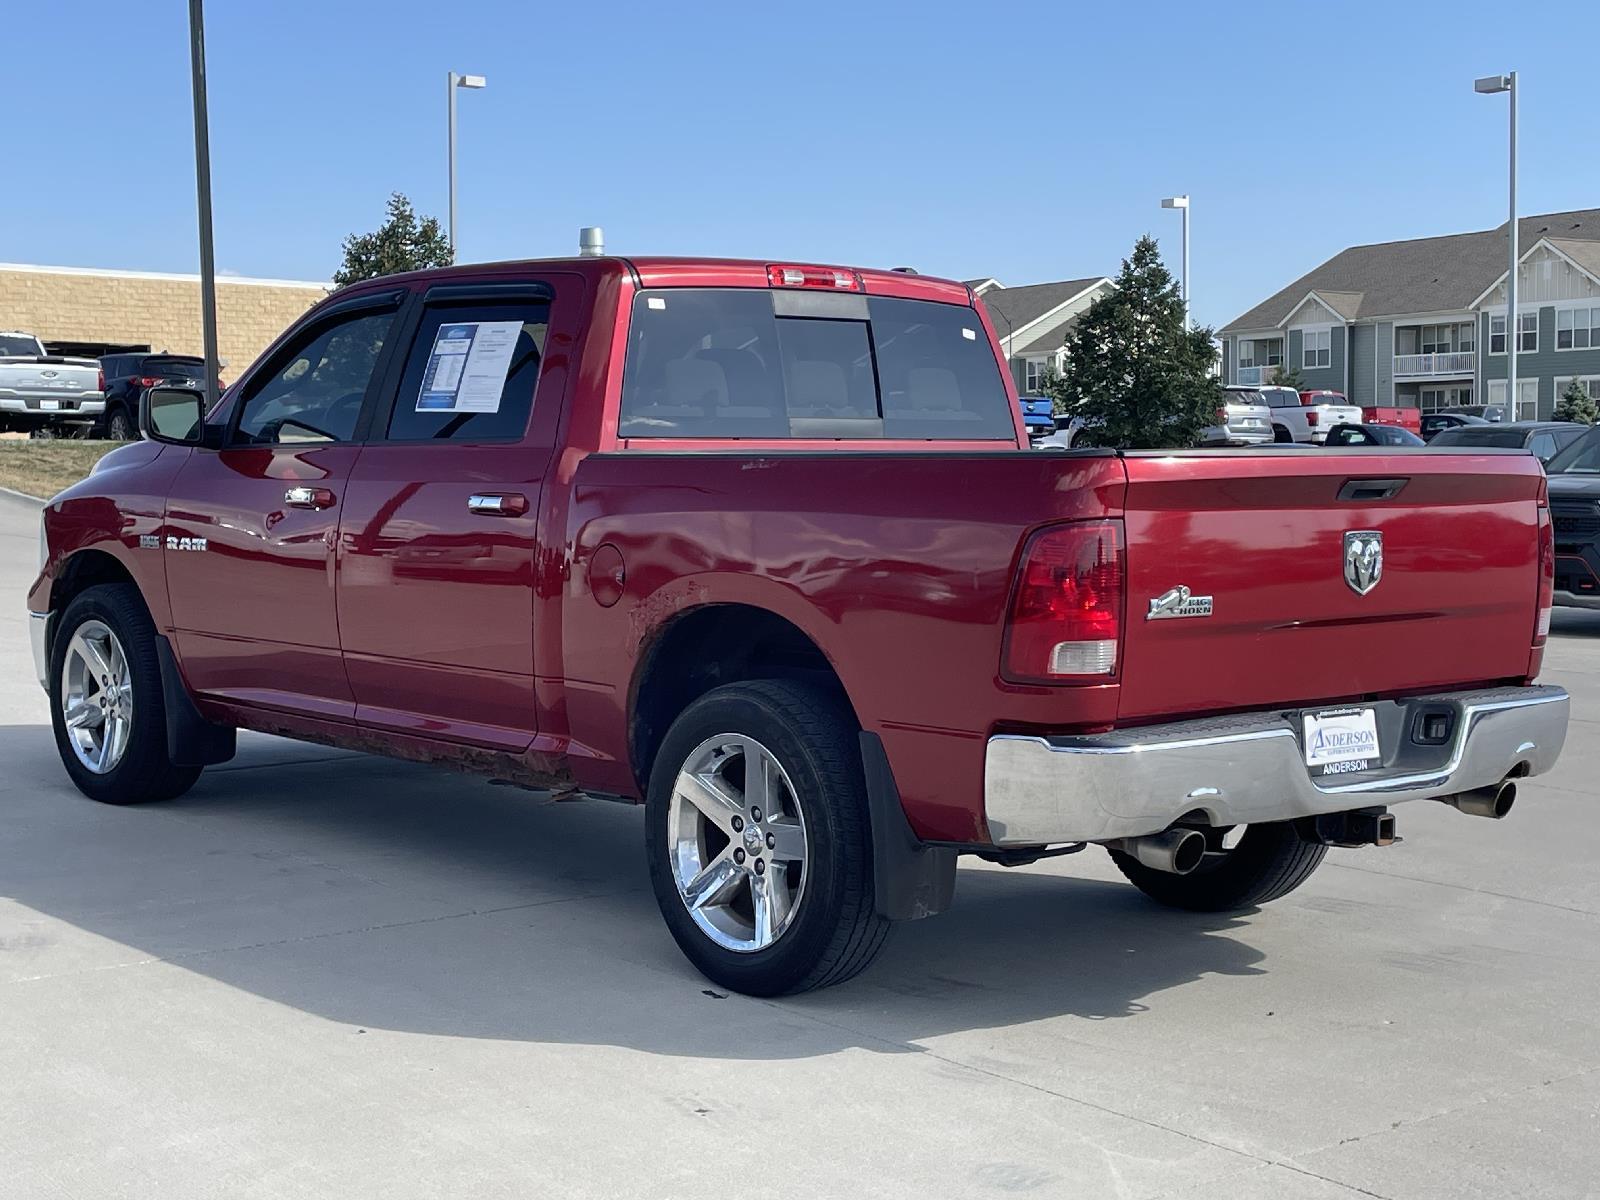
[
  {"x": 1065, "y": 624},
  {"x": 100, "y": 382},
  {"x": 1311, "y": 418},
  {"x": 831, "y": 278},
  {"x": 1547, "y": 572},
  {"x": 148, "y": 380},
  {"x": 1222, "y": 416}
]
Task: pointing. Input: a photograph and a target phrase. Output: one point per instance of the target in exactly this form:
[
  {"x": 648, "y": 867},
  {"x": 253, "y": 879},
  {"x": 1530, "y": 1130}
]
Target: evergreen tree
[
  {"x": 401, "y": 243},
  {"x": 1136, "y": 376},
  {"x": 1577, "y": 405},
  {"x": 1283, "y": 376}
]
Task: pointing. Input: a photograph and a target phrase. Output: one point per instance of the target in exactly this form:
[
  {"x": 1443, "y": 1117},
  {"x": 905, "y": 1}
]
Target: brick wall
[{"x": 162, "y": 312}]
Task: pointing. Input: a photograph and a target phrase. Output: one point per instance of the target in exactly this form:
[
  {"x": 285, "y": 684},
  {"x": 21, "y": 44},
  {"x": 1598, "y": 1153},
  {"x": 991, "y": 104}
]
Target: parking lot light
[
  {"x": 1183, "y": 203},
  {"x": 1490, "y": 85},
  {"x": 453, "y": 82}
]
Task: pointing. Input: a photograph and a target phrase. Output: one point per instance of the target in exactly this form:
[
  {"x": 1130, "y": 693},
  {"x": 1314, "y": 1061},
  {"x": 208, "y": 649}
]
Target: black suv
[
  {"x": 1575, "y": 509},
  {"x": 1545, "y": 438},
  {"x": 127, "y": 375}
]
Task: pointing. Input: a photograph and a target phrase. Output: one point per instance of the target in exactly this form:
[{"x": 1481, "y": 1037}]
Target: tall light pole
[
  {"x": 1183, "y": 203},
  {"x": 202, "y": 183},
  {"x": 456, "y": 81},
  {"x": 1489, "y": 85}
]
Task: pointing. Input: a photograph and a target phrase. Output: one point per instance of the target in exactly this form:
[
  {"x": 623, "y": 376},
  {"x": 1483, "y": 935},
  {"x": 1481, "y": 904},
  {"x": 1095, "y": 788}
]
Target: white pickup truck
[
  {"x": 1307, "y": 416},
  {"x": 40, "y": 391}
]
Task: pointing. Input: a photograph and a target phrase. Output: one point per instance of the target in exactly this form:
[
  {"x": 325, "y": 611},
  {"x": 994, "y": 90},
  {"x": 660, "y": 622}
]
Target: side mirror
[{"x": 174, "y": 415}]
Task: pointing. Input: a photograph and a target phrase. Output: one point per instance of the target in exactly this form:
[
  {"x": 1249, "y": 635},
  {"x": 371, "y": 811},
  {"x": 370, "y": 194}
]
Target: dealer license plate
[
  {"x": 50, "y": 405},
  {"x": 1340, "y": 740}
]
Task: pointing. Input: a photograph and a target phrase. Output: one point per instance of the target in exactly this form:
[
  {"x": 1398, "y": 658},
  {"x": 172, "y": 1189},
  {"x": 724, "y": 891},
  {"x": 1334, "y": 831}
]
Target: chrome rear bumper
[{"x": 1245, "y": 769}]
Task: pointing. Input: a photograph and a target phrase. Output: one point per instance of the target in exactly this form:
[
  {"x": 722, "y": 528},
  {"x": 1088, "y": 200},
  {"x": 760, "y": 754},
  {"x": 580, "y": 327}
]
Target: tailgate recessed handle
[{"x": 1364, "y": 491}]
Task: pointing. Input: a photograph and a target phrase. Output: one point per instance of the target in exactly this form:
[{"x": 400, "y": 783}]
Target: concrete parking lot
[{"x": 326, "y": 975}]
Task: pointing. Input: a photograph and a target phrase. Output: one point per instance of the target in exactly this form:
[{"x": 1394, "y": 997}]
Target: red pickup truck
[{"x": 763, "y": 547}]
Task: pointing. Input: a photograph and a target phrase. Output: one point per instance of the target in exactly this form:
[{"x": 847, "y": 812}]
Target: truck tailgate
[{"x": 1263, "y": 536}]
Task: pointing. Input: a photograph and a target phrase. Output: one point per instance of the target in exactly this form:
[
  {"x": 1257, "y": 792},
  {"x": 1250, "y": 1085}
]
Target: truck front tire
[
  {"x": 759, "y": 839},
  {"x": 1270, "y": 861},
  {"x": 106, "y": 703}
]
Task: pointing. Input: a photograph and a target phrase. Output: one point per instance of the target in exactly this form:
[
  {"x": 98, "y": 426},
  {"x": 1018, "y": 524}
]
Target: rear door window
[
  {"x": 471, "y": 372},
  {"x": 748, "y": 363}
]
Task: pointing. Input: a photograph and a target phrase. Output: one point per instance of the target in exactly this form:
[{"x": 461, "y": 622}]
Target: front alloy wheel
[
  {"x": 738, "y": 843},
  {"x": 108, "y": 712},
  {"x": 97, "y": 697}
]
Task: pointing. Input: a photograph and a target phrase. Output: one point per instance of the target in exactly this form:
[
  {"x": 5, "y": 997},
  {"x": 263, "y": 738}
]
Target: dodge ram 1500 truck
[{"x": 763, "y": 547}]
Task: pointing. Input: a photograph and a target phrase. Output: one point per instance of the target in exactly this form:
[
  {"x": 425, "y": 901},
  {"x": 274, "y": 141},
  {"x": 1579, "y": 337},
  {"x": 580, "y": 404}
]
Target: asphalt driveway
[{"x": 326, "y": 975}]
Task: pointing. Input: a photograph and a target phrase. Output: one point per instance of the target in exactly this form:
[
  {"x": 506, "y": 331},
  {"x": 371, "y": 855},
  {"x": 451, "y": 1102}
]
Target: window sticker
[{"x": 467, "y": 369}]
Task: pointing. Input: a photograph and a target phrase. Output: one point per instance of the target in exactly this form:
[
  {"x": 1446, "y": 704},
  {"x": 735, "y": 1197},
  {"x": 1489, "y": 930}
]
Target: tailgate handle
[{"x": 1364, "y": 491}]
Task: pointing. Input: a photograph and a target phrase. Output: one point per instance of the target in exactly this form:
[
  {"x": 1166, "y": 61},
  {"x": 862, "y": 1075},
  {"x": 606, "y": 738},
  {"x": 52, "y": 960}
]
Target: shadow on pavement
[
  {"x": 388, "y": 895},
  {"x": 1575, "y": 622}
]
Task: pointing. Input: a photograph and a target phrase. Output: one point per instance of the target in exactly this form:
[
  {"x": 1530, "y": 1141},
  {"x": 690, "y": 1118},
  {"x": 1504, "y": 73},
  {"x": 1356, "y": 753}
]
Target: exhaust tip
[
  {"x": 1504, "y": 798},
  {"x": 1186, "y": 855},
  {"x": 1494, "y": 801},
  {"x": 1176, "y": 851}
]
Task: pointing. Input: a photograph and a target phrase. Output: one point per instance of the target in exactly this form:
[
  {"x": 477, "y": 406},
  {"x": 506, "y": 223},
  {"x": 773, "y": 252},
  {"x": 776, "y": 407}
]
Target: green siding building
[{"x": 1421, "y": 323}]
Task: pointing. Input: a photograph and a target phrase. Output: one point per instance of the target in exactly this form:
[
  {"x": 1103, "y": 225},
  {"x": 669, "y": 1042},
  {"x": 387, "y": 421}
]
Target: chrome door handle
[
  {"x": 497, "y": 504},
  {"x": 301, "y": 496}
]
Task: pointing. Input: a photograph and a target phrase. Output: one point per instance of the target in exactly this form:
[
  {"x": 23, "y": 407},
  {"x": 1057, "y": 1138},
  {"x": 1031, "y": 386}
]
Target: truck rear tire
[
  {"x": 106, "y": 703},
  {"x": 1270, "y": 861},
  {"x": 759, "y": 841}
]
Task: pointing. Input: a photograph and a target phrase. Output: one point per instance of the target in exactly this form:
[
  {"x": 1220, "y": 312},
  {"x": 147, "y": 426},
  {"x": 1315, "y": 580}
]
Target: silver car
[{"x": 1243, "y": 420}]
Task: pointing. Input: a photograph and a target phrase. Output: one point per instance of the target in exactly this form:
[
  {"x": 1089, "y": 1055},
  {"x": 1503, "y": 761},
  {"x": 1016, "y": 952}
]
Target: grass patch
[{"x": 42, "y": 467}]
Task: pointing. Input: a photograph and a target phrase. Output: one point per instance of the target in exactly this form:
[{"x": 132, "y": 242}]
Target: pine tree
[
  {"x": 1577, "y": 405},
  {"x": 401, "y": 243},
  {"x": 1136, "y": 376},
  {"x": 1283, "y": 376}
]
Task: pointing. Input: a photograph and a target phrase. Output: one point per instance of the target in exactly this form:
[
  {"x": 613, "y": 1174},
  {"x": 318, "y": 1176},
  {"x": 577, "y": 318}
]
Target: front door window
[{"x": 316, "y": 395}]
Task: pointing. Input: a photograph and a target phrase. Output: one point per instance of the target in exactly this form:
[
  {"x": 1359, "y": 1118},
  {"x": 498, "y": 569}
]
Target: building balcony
[
  {"x": 1253, "y": 376},
  {"x": 1453, "y": 365}
]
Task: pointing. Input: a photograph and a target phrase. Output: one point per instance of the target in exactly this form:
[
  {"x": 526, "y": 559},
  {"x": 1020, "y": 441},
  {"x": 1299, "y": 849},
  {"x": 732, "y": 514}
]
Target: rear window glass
[
  {"x": 1482, "y": 435},
  {"x": 1581, "y": 457},
  {"x": 733, "y": 363},
  {"x": 173, "y": 368}
]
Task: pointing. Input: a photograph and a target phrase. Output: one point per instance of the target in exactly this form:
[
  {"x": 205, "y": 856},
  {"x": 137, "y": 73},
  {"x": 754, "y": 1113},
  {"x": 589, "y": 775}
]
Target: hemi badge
[{"x": 1178, "y": 602}]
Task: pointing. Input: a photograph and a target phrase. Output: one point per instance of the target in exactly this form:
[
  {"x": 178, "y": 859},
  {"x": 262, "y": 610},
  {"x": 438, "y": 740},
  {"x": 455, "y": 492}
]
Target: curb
[{"x": 22, "y": 496}]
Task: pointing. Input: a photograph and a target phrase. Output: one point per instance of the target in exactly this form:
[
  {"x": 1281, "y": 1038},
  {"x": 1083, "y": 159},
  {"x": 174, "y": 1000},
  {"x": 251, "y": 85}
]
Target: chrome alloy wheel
[
  {"x": 738, "y": 842},
  {"x": 97, "y": 697}
]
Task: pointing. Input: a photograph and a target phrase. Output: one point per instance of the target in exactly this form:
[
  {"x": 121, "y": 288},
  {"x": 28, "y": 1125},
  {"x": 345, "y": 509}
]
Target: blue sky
[{"x": 1025, "y": 141}]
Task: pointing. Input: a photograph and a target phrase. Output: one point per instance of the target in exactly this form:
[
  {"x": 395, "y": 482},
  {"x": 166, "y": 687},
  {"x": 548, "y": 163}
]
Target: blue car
[{"x": 1037, "y": 415}]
